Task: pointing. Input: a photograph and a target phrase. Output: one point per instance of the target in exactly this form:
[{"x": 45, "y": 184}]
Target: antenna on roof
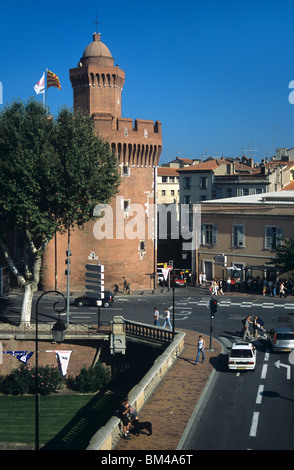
[{"x": 249, "y": 151}]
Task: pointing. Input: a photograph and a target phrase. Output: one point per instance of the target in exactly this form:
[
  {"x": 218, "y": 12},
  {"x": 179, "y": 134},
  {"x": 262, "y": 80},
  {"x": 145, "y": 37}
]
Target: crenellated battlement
[{"x": 137, "y": 143}]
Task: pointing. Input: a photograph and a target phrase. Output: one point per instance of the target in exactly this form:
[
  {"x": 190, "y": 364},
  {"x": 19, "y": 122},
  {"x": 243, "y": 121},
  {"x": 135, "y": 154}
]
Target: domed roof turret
[{"x": 97, "y": 53}]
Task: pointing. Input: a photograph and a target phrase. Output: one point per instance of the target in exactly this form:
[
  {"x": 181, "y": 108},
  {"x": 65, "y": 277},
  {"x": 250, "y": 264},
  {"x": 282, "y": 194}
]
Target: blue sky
[{"x": 216, "y": 73}]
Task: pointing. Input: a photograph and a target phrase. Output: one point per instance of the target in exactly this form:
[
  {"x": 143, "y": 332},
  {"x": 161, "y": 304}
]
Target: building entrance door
[{"x": 208, "y": 270}]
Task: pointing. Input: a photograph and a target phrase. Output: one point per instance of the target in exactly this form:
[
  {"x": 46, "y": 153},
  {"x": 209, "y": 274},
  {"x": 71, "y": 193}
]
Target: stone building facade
[{"x": 129, "y": 250}]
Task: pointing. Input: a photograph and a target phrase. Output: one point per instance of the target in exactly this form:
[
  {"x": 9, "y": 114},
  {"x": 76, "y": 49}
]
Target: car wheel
[
  {"x": 80, "y": 303},
  {"x": 106, "y": 304}
]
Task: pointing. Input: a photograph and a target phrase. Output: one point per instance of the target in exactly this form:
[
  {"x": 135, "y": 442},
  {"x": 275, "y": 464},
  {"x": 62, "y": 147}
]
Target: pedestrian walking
[
  {"x": 282, "y": 290},
  {"x": 201, "y": 349},
  {"x": 167, "y": 318},
  {"x": 246, "y": 331},
  {"x": 220, "y": 288},
  {"x": 125, "y": 285},
  {"x": 255, "y": 327},
  {"x": 156, "y": 317}
]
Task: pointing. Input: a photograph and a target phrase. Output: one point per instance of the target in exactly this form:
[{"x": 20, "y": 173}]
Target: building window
[
  {"x": 163, "y": 192},
  {"x": 187, "y": 199},
  {"x": 125, "y": 170},
  {"x": 164, "y": 179},
  {"x": 203, "y": 182},
  {"x": 145, "y": 133},
  {"x": 126, "y": 206},
  {"x": 245, "y": 192},
  {"x": 187, "y": 182},
  {"x": 209, "y": 234},
  {"x": 172, "y": 193},
  {"x": 238, "y": 236},
  {"x": 142, "y": 245},
  {"x": 273, "y": 237},
  {"x": 126, "y": 132},
  {"x": 229, "y": 192}
]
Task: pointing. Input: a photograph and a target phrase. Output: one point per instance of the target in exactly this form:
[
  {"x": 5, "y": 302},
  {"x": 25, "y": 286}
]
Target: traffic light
[
  {"x": 68, "y": 262},
  {"x": 95, "y": 280},
  {"x": 213, "y": 307}
]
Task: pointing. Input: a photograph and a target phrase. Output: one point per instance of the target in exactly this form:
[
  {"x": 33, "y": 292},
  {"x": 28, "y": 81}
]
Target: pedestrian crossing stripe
[{"x": 230, "y": 303}]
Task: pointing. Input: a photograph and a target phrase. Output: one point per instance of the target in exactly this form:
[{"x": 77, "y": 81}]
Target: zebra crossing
[{"x": 222, "y": 303}]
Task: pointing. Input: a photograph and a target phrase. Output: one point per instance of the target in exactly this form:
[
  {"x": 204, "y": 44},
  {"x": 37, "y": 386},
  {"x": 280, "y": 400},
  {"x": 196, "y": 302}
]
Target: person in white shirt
[
  {"x": 167, "y": 318},
  {"x": 156, "y": 317},
  {"x": 201, "y": 349}
]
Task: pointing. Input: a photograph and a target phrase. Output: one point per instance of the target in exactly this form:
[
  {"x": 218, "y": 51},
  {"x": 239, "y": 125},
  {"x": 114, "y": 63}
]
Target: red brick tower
[
  {"x": 97, "y": 88},
  {"x": 96, "y": 82}
]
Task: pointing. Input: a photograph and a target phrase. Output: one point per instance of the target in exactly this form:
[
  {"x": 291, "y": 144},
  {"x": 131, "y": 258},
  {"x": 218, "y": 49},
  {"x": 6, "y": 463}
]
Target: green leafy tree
[
  {"x": 53, "y": 173},
  {"x": 284, "y": 259}
]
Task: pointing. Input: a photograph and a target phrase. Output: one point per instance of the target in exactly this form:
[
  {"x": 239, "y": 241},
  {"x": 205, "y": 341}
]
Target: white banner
[
  {"x": 63, "y": 360},
  {"x": 165, "y": 272}
]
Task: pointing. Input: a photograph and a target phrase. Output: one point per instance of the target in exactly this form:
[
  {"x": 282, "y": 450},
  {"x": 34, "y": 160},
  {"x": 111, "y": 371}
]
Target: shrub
[
  {"x": 18, "y": 381},
  {"x": 90, "y": 379},
  {"x": 49, "y": 379},
  {"x": 23, "y": 380}
]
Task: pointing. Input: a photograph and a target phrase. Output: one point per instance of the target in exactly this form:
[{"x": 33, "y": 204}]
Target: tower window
[{"x": 125, "y": 170}]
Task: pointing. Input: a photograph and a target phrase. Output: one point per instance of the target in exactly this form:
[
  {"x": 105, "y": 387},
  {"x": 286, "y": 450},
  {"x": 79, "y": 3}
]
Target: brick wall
[
  {"x": 82, "y": 354},
  {"x": 121, "y": 257}
]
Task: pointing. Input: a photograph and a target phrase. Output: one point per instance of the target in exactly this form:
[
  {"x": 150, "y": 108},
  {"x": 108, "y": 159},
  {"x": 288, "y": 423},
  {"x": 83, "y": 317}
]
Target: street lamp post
[{"x": 58, "y": 332}]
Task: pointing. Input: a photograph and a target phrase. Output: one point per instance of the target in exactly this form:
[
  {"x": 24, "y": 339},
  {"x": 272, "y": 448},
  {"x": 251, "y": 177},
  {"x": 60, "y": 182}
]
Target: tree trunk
[
  {"x": 30, "y": 280},
  {"x": 27, "y": 302}
]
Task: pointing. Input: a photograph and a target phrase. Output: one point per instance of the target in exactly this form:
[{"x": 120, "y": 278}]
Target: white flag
[
  {"x": 63, "y": 359},
  {"x": 40, "y": 87}
]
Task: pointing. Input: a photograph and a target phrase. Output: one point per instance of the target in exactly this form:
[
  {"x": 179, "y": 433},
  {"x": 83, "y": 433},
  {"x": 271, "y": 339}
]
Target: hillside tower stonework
[{"x": 97, "y": 89}]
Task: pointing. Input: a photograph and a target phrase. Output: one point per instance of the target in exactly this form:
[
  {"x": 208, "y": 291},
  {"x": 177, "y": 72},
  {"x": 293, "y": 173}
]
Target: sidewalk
[{"x": 170, "y": 407}]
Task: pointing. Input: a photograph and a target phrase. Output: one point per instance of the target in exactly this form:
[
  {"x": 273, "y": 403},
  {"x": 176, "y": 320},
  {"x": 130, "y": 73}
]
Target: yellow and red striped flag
[{"x": 53, "y": 80}]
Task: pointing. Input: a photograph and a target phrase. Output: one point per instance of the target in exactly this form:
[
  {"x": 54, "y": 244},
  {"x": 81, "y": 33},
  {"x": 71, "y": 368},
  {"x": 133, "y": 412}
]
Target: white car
[{"x": 242, "y": 356}]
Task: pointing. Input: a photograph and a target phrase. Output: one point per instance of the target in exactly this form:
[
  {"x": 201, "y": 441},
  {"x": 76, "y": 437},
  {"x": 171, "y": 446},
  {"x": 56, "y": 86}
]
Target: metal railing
[
  {"x": 28, "y": 328},
  {"x": 132, "y": 329},
  {"x": 149, "y": 332}
]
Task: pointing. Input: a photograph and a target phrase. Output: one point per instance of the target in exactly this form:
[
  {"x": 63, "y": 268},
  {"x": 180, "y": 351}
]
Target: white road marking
[
  {"x": 254, "y": 424},
  {"x": 264, "y": 371}
]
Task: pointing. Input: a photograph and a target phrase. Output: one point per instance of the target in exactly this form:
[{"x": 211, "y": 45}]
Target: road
[{"x": 243, "y": 410}]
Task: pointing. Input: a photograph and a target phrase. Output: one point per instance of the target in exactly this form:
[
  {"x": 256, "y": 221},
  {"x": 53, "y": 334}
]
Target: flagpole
[
  {"x": 44, "y": 101},
  {"x": 46, "y": 87}
]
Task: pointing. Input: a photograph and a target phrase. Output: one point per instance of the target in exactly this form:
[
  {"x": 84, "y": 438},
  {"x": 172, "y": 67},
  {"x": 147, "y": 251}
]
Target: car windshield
[
  {"x": 241, "y": 353},
  {"x": 285, "y": 336}
]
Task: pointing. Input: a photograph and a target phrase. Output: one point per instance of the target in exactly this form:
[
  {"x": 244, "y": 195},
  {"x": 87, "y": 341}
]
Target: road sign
[
  {"x": 94, "y": 278},
  {"x": 221, "y": 259}
]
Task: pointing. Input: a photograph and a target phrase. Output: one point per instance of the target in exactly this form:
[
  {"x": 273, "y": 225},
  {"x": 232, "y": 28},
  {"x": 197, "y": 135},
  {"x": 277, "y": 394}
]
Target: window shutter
[
  {"x": 214, "y": 234},
  {"x": 279, "y": 236},
  {"x": 268, "y": 238}
]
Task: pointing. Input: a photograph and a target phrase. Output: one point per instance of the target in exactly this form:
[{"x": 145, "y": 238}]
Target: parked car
[
  {"x": 179, "y": 282},
  {"x": 85, "y": 301},
  {"x": 242, "y": 356},
  {"x": 281, "y": 339}
]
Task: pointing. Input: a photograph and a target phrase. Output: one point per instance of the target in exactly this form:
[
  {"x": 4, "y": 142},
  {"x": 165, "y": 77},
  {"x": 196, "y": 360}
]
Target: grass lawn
[{"x": 66, "y": 421}]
